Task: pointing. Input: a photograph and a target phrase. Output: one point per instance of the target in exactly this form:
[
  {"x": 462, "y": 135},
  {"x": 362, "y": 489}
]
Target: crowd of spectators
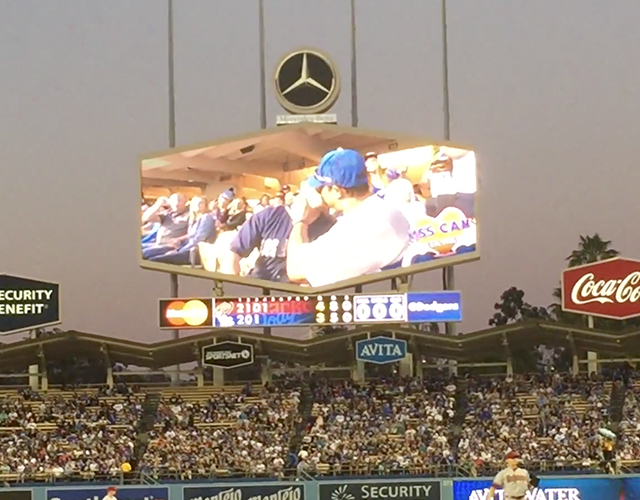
[
  {"x": 196, "y": 231},
  {"x": 248, "y": 432},
  {"x": 629, "y": 445},
  {"x": 551, "y": 419},
  {"x": 320, "y": 426},
  {"x": 62, "y": 434},
  {"x": 384, "y": 426}
]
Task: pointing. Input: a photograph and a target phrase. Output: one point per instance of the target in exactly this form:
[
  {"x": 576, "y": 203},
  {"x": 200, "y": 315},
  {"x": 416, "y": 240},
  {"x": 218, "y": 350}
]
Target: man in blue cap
[{"x": 369, "y": 236}]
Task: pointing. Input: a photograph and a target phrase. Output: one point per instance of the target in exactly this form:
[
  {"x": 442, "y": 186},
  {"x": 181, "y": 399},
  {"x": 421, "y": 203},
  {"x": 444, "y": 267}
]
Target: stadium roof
[{"x": 336, "y": 348}]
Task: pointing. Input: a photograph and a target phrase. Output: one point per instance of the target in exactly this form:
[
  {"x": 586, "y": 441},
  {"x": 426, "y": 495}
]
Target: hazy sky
[{"x": 547, "y": 91}]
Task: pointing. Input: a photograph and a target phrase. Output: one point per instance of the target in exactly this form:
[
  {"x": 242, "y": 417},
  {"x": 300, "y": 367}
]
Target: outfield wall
[{"x": 551, "y": 488}]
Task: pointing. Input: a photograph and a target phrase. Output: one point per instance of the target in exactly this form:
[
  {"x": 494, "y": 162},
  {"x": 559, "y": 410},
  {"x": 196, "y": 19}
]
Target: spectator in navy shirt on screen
[
  {"x": 201, "y": 229},
  {"x": 268, "y": 231}
]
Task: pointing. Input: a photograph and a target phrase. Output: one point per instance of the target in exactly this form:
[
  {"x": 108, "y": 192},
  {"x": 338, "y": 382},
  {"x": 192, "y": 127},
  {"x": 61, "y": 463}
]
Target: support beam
[
  {"x": 212, "y": 166},
  {"x": 107, "y": 363},
  {"x": 197, "y": 354},
  {"x": 44, "y": 377},
  {"x": 507, "y": 351},
  {"x": 301, "y": 144},
  {"x": 575, "y": 364}
]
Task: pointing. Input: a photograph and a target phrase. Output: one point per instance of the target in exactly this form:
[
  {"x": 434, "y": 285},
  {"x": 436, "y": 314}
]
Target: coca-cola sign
[{"x": 609, "y": 288}]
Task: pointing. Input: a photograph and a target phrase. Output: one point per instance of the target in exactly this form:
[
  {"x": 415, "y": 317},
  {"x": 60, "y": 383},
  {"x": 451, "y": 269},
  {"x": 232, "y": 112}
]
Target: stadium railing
[{"x": 369, "y": 470}]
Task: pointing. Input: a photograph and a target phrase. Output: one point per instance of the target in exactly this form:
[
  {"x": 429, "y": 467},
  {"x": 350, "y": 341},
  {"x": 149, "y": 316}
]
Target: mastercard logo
[{"x": 187, "y": 313}]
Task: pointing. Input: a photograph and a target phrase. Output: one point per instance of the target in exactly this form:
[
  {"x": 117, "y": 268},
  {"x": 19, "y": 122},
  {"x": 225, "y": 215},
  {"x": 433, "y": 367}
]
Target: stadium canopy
[{"x": 336, "y": 348}]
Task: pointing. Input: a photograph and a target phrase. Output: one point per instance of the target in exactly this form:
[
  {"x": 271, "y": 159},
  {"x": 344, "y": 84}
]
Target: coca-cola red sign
[{"x": 609, "y": 288}]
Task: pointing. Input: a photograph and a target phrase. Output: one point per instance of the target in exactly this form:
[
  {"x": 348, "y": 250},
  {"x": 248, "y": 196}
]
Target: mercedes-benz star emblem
[{"x": 306, "y": 82}]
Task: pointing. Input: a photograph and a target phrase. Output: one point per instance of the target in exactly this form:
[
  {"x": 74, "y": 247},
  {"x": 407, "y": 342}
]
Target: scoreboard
[{"x": 313, "y": 310}]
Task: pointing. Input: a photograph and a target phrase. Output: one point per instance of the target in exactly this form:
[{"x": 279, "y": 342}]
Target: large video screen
[{"x": 308, "y": 207}]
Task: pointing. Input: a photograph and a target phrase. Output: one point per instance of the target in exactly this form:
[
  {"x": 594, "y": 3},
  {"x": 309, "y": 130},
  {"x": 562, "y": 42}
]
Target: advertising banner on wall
[
  {"x": 413, "y": 490},
  {"x": 257, "y": 492},
  {"x": 16, "y": 494},
  {"x": 124, "y": 493},
  {"x": 567, "y": 488},
  {"x": 27, "y": 304}
]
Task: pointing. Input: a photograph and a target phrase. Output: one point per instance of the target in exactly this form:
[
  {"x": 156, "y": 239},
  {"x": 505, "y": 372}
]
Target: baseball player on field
[{"x": 514, "y": 480}]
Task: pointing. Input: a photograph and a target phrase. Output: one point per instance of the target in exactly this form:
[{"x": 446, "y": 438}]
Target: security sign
[
  {"x": 183, "y": 314},
  {"x": 26, "y": 304},
  {"x": 227, "y": 355}
]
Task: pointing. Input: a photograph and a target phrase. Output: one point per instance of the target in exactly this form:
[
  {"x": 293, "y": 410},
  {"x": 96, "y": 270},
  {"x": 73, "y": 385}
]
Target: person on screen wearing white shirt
[
  {"x": 450, "y": 183},
  {"x": 370, "y": 234},
  {"x": 399, "y": 193}
]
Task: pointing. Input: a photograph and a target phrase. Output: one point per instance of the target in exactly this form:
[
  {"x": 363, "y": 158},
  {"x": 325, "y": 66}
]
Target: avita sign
[{"x": 609, "y": 288}]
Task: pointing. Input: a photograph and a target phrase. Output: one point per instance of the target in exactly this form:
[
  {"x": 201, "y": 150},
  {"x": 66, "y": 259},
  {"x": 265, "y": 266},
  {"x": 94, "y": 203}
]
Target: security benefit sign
[
  {"x": 108, "y": 493},
  {"x": 15, "y": 494},
  {"x": 381, "y": 350},
  {"x": 261, "y": 492},
  {"x": 414, "y": 490},
  {"x": 26, "y": 304},
  {"x": 227, "y": 355}
]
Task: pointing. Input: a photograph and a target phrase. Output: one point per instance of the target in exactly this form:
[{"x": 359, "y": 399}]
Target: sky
[{"x": 547, "y": 92}]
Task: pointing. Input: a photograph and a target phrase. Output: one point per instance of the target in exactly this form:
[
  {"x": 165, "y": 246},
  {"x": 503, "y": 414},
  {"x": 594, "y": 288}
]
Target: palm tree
[{"x": 591, "y": 249}]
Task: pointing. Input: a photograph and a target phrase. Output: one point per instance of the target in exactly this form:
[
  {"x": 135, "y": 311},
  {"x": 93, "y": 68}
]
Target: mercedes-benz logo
[{"x": 306, "y": 82}]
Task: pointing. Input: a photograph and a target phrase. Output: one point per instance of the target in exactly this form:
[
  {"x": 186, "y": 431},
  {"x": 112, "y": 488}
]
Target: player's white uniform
[
  {"x": 514, "y": 482},
  {"x": 109, "y": 497}
]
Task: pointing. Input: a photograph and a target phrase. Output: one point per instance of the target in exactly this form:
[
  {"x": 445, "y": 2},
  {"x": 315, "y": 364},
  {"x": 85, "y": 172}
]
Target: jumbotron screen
[
  {"x": 317, "y": 310},
  {"x": 309, "y": 209}
]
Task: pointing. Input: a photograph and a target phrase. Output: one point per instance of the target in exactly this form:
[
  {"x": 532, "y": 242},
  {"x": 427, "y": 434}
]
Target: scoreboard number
[{"x": 396, "y": 310}]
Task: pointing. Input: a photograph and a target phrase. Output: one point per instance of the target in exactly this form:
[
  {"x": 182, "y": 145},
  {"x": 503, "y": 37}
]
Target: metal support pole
[
  {"x": 448, "y": 276},
  {"x": 354, "y": 68},
  {"x": 174, "y": 288},
  {"x": 263, "y": 74},
  {"x": 448, "y": 273},
  {"x": 263, "y": 101}
]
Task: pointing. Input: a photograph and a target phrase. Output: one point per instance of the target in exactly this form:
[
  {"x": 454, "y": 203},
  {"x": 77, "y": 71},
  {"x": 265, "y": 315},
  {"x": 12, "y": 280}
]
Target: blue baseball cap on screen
[{"x": 341, "y": 167}]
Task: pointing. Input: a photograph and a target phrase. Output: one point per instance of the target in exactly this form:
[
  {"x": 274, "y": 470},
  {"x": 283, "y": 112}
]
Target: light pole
[
  {"x": 173, "y": 278},
  {"x": 448, "y": 275},
  {"x": 263, "y": 75},
  {"x": 354, "y": 68}
]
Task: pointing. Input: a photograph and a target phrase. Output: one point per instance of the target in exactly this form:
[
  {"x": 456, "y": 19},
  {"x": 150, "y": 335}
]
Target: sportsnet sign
[
  {"x": 414, "y": 490},
  {"x": 261, "y": 492}
]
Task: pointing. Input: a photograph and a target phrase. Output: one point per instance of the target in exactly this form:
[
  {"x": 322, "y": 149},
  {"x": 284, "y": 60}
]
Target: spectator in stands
[
  {"x": 381, "y": 427},
  {"x": 265, "y": 201},
  {"x": 173, "y": 216},
  {"x": 84, "y": 434},
  {"x": 551, "y": 418},
  {"x": 229, "y": 432},
  {"x": 201, "y": 228}
]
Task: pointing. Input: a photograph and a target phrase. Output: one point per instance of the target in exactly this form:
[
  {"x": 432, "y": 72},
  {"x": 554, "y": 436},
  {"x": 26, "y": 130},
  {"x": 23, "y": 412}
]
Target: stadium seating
[
  {"x": 206, "y": 432},
  {"x": 320, "y": 426},
  {"x": 551, "y": 420},
  {"x": 84, "y": 433}
]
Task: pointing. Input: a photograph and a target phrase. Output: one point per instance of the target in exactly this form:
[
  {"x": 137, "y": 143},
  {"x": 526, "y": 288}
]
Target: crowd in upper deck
[{"x": 319, "y": 426}]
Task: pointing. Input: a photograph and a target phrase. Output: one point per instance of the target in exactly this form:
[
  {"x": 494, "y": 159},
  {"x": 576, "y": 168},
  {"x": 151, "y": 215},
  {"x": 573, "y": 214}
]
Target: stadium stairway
[
  {"x": 305, "y": 408},
  {"x": 462, "y": 400},
  {"x": 145, "y": 425},
  {"x": 616, "y": 404}
]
